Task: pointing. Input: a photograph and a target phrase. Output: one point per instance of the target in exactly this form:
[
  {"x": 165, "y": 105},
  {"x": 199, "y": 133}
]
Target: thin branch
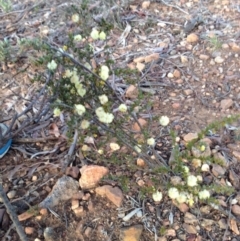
[{"x": 12, "y": 214}]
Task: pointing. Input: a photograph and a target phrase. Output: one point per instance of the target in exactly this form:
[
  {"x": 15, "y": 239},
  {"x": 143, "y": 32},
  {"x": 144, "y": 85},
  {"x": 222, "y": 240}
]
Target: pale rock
[
  {"x": 236, "y": 154},
  {"x": 189, "y": 218},
  {"x": 72, "y": 171},
  {"x": 226, "y": 104},
  {"x": 140, "y": 67},
  {"x": 132, "y": 92},
  {"x": 11, "y": 194},
  {"x": 43, "y": 211},
  {"x": 91, "y": 175},
  {"x": 139, "y": 59},
  {"x": 190, "y": 137},
  {"x": 162, "y": 239},
  {"x": 205, "y": 209},
  {"x": 219, "y": 60},
  {"x": 114, "y": 194},
  {"x": 234, "y": 227},
  {"x": 136, "y": 126},
  {"x": 233, "y": 147},
  {"x": 179, "y": 81},
  {"x": 63, "y": 190},
  {"x": 140, "y": 183},
  {"x": 34, "y": 178},
  {"x": 132, "y": 233},
  {"x": 222, "y": 223},
  {"x": 190, "y": 228},
  {"x": 90, "y": 206},
  {"x": 203, "y": 57},
  {"x": 145, "y": 4},
  {"x": 188, "y": 92},
  {"x": 225, "y": 46},
  {"x": 86, "y": 196},
  {"x": 151, "y": 57},
  {"x": 207, "y": 223},
  {"x": 217, "y": 170},
  {"x": 192, "y": 38},
  {"x": 184, "y": 59},
  {"x": 219, "y": 155},
  {"x": 75, "y": 204},
  {"x": 29, "y": 230},
  {"x": 236, "y": 209},
  {"x": 183, "y": 207},
  {"x": 49, "y": 234},
  {"x": 88, "y": 231},
  {"x": 176, "y": 73},
  {"x": 141, "y": 162},
  {"x": 171, "y": 233},
  {"x": 79, "y": 212},
  {"x": 235, "y": 47},
  {"x": 176, "y": 105},
  {"x": 170, "y": 75}
]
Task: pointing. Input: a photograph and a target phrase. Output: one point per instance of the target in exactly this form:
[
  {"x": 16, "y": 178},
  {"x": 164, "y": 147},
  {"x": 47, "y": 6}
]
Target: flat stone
[
  {"x": 132, "y": 233},
  {"x": 189, "y": 218},
  {"x": 203, "y": 57},
  {"x": 91, "y": 175},
  {"x": 192, "y": 38},
  {"x": 222, "y": 223},
  {"x": 236, "y": 209},
  {"x": 190, "y": 136},
  {"x": 176, "y": 73},
  {"x": 207, "y": 223},
  {"x": 236, "y": 154},
  {"x": 190, "y": 228},
  {"x": 11, "y": 194},
  {"x": 63, "y": 190},
  {"x": 72, "y": 171},
  {"x": 217, "y": 170},
  {"x": 219, "y": 60},
  {"x": 29, "y": 230},
  {"x": 188, "y": 92},
  {"x": 75, "y": 204},
  {"x": 79, "y": 212},
  {"x": 132, "y": 92},
  {"x": 136, "y": 126},
  {"x": 114, "y": 194},
  {"x": 226, "y": 104}
]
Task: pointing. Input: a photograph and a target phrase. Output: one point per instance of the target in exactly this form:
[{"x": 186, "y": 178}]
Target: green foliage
[
  {"x": 6, "y": 5},
  {"x": 4, "y": 50},
  {"x": 215, "y": 42}
]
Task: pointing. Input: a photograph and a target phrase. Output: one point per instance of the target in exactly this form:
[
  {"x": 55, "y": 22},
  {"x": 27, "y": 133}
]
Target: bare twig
[
  {"x": 174, "y": 6},
  {"x": 12, "y": 214}
]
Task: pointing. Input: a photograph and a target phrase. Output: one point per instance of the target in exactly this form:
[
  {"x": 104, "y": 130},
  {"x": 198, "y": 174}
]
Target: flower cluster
[
  {"x": 96, "y": 35},
  {"x": 103, "y": 116},
  {"x": 104, "y": 72},
  {"x": 74, "y": 79}
]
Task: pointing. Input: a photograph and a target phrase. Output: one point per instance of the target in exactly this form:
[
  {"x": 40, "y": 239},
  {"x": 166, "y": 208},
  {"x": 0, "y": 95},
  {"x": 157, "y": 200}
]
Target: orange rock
[
  {"x": 91, "y": 175},
  {"x": 132, "y": 92},
  {"x": 151, "y": 57},
  {"x": 141, "y": 162},
  {"x": 136, "y": 126},
  {"x": 114, "y": 194},
  {"x": 192, "y": 38}
]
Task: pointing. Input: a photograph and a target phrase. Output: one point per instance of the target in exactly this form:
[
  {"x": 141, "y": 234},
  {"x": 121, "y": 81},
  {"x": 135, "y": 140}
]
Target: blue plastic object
[{"x": 4, "y": 149}]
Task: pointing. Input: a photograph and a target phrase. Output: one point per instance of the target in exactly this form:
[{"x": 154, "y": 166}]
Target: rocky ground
[{"x": 187, "y": 55}]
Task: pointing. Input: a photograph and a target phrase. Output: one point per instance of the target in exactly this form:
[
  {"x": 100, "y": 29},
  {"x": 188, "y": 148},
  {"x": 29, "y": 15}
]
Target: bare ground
[{"x": 193, "y": 83}]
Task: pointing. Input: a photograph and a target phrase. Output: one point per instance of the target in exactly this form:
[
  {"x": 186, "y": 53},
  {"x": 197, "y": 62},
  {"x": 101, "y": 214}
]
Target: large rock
[
  {"x": 132, "y": 233},
  {"x": 114, "y": 194},
  {"x": 91, "y": 175}
]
